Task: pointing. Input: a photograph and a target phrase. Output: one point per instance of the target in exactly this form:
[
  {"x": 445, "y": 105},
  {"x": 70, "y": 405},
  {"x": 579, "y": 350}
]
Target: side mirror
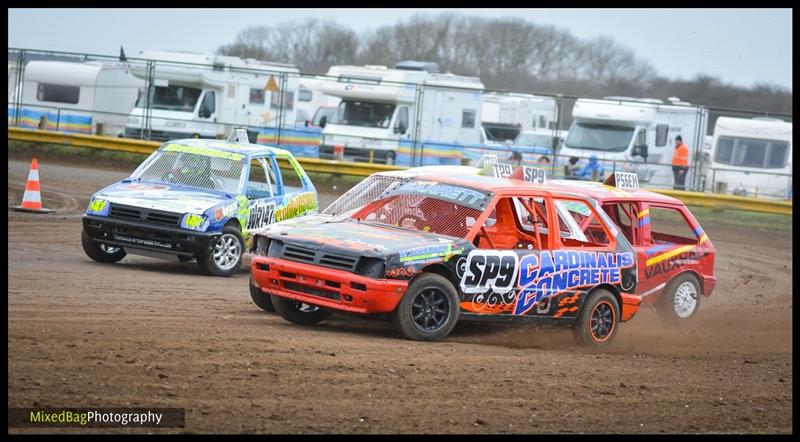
[
  {"x": 323, "y": 121},
  {"x": 400, "y": 128},
  {"x": 640, "y": 150},
  {"x": 204, "y": 112}
]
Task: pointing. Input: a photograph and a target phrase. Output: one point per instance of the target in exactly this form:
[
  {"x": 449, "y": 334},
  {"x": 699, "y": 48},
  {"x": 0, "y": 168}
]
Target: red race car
[
  {"x": 436, "y": 249},
  {"x": 675, "y": 256}
]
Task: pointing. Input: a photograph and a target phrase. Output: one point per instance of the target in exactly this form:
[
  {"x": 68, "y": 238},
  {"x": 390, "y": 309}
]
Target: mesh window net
[
  {"x": 423, "y": 213},
  {"x": 194, "y": 170}
]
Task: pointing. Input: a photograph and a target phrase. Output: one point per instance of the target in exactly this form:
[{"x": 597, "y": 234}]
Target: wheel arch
[{"x": 441, "y": 270}]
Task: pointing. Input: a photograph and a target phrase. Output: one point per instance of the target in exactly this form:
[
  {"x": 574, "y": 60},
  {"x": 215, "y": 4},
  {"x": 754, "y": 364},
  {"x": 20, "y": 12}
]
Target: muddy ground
[{"x": 151, "y": 333}]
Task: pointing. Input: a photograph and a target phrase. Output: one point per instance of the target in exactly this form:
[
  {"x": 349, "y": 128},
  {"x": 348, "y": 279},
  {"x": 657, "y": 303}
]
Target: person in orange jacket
[{"x": 680, "y": 163}]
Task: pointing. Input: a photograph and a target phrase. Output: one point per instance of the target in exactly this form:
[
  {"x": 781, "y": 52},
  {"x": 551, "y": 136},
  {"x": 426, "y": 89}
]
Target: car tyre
[
  {"x": 598, "y": 320},
  {"x": 261, "y": 299},
  {"x": 298, "y": 312},
  {"x": 225, "y": 257},
  {"x": 680, "y": 300},
  {"x": 429, "y": 309},
  {"x": 101, "y": 252}
]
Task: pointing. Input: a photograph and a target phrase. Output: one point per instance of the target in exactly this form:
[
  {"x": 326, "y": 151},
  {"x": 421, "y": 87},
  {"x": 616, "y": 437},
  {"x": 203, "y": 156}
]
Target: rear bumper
[
  {"x": 325, "y": 287},
  {"x": 630, "y": 305},
  {"x": 148, "y": 237},
  {"x": 709, "y": 283}
]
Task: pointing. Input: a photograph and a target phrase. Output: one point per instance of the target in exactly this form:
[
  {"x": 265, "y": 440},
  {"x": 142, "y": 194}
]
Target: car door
[
  {"x": 262, "y": 192},
  {"x": 633, "y": 220},
  {"x": 491, "y": 271}
]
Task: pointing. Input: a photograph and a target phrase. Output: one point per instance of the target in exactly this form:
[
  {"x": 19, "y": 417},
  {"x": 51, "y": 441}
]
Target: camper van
[
  {"x": 745, "y": 153},
  {"x": 206, "y": 96},
  {"x": 637, "y": 135},
  {"x": 377, "y": 119},
  {"x": 91, "y": 98}
]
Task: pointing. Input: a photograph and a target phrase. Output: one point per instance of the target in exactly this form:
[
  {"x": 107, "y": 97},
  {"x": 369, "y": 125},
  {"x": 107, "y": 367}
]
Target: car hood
[
  {"x": 350, "y": 236},
  {"x": 163, "y": 196}
]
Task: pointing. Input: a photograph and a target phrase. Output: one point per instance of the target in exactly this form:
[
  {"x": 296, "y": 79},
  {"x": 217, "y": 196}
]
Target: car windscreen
[
  {"x": 361, "y": 194},
  {"x": 174, "y": 98},
  {"x": 599, "y": 136},
  {"x": 195, "y": 167},
  {"x": 536, "y": 140},
  {"x": 422, "y": 213},
  {"x": 364, "y": 113}
]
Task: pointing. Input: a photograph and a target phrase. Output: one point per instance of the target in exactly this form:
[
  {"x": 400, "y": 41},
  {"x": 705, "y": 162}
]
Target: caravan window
[
  {"x": 176, "y": 98},
  {"x": 288, "y": 100},
  {"x": 364, "y": 113},
  {"x": 303, "y": 95},
  {"x": 256, "y": 96},
  {"x": 748, "y": 152},
  {"x": 58, "y": 93},
  {"x": 468, "y": 118}
]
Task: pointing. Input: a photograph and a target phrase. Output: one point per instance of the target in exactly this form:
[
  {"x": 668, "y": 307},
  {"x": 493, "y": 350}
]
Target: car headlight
[
  {"x": 193, "y": 221},
  {"x": 175, "y": 123},
  {"x": 98, "y": 206},
  {"x": 133, "y": 120}
]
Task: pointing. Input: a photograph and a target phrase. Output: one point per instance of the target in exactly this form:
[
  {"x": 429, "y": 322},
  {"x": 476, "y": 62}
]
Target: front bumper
[
  {"x": 154, "y": 238},
  {"x": 326, "y": 287},
  {"x": 357, "y": 154}
]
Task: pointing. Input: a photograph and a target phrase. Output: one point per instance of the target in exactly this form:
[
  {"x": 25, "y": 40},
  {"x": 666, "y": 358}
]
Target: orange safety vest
[{"x": 681, "y": 157}]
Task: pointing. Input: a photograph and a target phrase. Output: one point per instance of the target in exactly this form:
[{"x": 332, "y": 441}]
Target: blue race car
[{"x": 197, "y": 199}]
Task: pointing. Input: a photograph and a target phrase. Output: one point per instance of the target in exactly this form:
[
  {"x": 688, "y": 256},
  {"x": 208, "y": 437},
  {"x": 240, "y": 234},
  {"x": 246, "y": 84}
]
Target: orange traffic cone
[{"x": 32, "y": 200}]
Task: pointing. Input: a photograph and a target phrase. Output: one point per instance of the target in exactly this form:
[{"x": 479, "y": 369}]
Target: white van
[
  {"x": 637, "y": 135},
  {"x": 751, "y": 157},
  {"x": 206, "y": 96},
  {"x": 92, "y": 97}
]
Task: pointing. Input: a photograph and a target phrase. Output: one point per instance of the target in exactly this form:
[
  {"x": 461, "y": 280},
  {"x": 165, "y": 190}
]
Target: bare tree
[{"x": 506, "y": 53}]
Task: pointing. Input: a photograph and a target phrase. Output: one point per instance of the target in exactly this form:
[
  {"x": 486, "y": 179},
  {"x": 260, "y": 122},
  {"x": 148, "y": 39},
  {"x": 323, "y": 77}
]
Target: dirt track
[{"x": 149, "y": 333}]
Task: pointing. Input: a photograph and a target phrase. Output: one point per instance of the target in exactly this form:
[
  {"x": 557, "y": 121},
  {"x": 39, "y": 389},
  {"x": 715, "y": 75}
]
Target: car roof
[
  {"x": 495, "y": 184},
  {"x": 569, "y": 188},
  {"x": 604, "y": 192},
  {"x": 228, "y": 146}
]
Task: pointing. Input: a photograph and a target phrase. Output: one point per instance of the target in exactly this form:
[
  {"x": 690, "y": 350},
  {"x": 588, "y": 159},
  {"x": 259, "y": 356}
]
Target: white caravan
[
  {"x": 92, "y": 97},
  {"x": 381, "y": 107},
  {"x": 206, "y": 96},
  {"x": 746, "y": 155},
  {"x": 637, "y": 135},
  {"x": 311, "y": 98}
]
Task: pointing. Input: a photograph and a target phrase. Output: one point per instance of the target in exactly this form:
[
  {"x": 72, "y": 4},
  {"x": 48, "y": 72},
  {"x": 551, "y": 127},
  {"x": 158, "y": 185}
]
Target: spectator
[
  {"x": 572, "y": 167},
  {"x": 680, "y": 164},
  {"x": 516, "y": 158},
  {"x": 543, "y": 160},
  {"x": 592, "y": 171}
]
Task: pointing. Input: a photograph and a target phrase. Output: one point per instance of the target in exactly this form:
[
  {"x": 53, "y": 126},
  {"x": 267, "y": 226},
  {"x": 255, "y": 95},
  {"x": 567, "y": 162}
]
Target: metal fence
[{"x": 154, "y": 99}]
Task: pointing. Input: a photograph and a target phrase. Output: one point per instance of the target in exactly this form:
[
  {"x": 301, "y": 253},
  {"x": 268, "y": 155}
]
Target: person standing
[{"x": 680, "y": 164}]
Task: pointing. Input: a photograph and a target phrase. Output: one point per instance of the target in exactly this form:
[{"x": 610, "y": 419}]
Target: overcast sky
[{"x": 740, "y": 46}]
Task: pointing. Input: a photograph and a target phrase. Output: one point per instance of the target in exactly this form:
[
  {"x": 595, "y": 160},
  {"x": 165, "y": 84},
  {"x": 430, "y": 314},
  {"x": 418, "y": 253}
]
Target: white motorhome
[
  {"x": 206, "y": 96},
  {"x": 381, "y": 107},
  {"x": 91, "y": 97},
  {"x": 637, "y": 135},
  {"x": 751, "y": 157},
  {"x": 311, "y": 98}
]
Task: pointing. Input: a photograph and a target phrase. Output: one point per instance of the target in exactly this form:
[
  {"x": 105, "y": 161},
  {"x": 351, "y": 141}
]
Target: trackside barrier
[{"x": 713, "y": 201}]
